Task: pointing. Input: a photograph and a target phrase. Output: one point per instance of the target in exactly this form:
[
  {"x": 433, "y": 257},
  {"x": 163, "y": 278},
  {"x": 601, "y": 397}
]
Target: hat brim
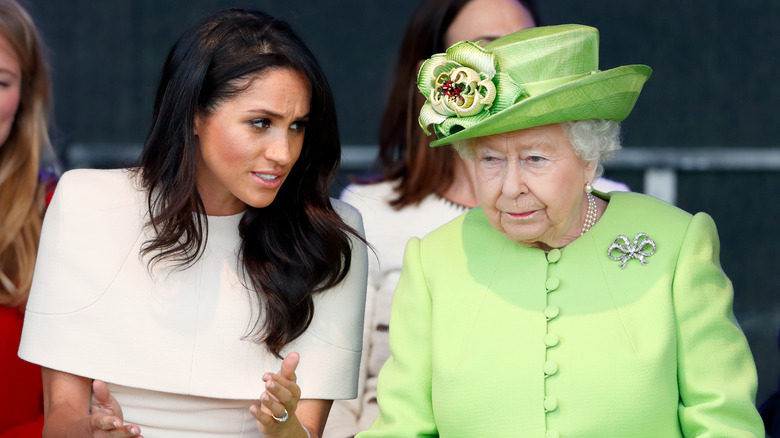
[{"x": 609, "y": 94}]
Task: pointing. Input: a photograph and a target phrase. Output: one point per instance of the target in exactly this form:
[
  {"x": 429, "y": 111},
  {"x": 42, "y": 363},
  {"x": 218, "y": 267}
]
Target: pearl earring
[{"x": 588, "y": 187}]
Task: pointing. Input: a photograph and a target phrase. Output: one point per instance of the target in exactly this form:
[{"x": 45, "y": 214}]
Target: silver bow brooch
[{"x": 639, "y": 250}]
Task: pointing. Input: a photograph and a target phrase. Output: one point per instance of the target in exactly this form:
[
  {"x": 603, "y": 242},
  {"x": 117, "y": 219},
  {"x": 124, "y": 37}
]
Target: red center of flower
[{"x": 451, "y": 89}]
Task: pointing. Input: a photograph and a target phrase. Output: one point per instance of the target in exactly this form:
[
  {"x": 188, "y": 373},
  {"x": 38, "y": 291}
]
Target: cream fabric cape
[{"x": 95, "y": 310}]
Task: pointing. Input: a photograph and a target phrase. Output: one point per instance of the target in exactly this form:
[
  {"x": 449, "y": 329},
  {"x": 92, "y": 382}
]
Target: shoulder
[
  {"x": 369, "y": 196},
  {"x": 633, "y": 215},
  {"x": 386, "y": 222},
  {"x": 349, "y": 214},
  {"x": 89, "y": 230},
  {"x": 473, "y": 221},
  {"x": 91, "y": 200},
  {"x": 469, "y": 233},
  {"x": 97, "y": 178},
  {"x": 97, "y": 186},
  {"x": 607, "y": 185},
  {"x": 383, "y": 190},
  {"x": 637, "y": 207}
]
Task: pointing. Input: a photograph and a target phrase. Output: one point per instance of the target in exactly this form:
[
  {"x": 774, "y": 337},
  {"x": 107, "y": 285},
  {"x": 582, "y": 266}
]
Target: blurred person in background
[{"x": 25, "y": 102}]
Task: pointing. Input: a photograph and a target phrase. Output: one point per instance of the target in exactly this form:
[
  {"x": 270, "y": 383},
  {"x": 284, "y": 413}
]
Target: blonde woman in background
[{"x": 25, "y": 100}]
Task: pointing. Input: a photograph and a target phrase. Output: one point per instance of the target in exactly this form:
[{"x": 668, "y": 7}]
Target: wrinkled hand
[
  {"x": 281, "y": 395},
  {"x": 106, "y": 419}
]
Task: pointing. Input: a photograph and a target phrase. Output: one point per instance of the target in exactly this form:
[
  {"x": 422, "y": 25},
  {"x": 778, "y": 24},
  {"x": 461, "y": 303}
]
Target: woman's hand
[
  {"x": 66, "y": 398},
  {"x": 276, "y": 415},
  {"x": 107, "y": 414}
]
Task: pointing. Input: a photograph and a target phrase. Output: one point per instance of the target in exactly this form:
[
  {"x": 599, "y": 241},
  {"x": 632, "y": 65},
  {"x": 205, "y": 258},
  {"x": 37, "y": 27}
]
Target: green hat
[{"x": 533, "y": 77}]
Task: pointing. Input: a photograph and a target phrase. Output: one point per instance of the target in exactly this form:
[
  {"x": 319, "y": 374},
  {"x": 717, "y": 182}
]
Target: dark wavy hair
[
  {"x": 418, "y": 169},
  {"x": 296, "y": 246}
]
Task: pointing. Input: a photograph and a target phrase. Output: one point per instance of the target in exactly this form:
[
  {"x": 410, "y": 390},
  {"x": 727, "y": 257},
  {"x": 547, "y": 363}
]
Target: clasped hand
[
  {"x": 276, "y": 413},
  {"x": 106, "y": 419}
]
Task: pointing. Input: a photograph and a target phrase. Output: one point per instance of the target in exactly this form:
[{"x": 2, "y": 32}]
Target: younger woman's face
[
  {"x": 10, "y": 88},
  {"x": 248, "y": 145}
]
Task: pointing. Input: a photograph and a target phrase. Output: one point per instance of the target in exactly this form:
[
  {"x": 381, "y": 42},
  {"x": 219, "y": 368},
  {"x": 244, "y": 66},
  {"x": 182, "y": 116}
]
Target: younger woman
[{"x": 182, "y": 284}]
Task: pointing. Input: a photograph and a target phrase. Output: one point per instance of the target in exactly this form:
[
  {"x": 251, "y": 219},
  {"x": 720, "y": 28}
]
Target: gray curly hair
[{"x": 593, "y": 140}]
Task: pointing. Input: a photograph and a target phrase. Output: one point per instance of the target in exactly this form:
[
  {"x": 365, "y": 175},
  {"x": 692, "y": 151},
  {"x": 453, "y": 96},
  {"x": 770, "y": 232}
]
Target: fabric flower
[{"x": 462, "y": 87}]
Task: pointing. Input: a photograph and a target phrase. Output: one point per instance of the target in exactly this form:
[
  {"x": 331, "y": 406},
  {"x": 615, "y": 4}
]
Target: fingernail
[
  {"x": 269, "y": 384},
  {"x": 253, "y": 409},
  {"x": 114, "y": 423},
  {"x": 266, "y": 376}
]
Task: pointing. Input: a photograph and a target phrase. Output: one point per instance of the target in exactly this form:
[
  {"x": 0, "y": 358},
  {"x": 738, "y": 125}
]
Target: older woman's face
[
  {"x": 10, "y": 88},
  {"x": 531, "y": 185}
]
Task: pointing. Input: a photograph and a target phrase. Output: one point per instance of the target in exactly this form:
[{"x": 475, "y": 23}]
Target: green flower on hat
[
  {"x": 462, "y": 87},
  {"x": 462, "y": 92}
]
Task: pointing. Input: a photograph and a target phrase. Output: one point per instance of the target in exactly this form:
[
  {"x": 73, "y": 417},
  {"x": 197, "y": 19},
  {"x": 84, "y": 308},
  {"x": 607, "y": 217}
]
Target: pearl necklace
[{"x": 590, "y": 217}]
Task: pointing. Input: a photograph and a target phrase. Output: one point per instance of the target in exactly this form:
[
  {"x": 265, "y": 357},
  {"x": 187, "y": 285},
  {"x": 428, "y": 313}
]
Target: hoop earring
[{"x": 588, "y": 187}]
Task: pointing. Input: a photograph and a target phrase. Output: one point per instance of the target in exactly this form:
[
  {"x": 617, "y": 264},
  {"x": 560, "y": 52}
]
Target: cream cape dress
[{"x": 172, "y": 343}]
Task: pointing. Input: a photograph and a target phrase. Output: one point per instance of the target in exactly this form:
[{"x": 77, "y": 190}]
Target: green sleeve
[
  {"x": 404, "y": 385},
  {"x": 716, "y": 373}
]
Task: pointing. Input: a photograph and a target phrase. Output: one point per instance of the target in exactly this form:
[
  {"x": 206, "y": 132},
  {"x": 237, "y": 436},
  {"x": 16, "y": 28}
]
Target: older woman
[{"x": 554, "y": 310}]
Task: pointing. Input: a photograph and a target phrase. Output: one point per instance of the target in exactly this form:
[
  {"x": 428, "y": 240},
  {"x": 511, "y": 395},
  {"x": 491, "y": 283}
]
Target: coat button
[
  {"x": 554, "y": 255},
  {"x": 551, "y": 339},
  {"x": 550, "y": 404},
  {"x": 551, "y": 312},
  {"x": 550, "y": 367},
  {"x": 552, "y": 434},
  {"x": 551, "y": 284}
]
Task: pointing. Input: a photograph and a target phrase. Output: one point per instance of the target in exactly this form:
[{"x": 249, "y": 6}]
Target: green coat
[{"x": 490, "y": 338}]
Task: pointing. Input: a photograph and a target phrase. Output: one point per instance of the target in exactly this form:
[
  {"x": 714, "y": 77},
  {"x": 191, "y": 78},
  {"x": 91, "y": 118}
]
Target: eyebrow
[
  {"x": 530, "y": 145},
  {"x": 487, "y": 38},
  {"x": 274, "y": 115},
  {"x": 9, "y": 72}
]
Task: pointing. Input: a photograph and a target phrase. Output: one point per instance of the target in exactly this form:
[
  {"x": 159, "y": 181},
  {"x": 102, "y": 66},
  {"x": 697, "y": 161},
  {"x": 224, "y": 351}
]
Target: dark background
[{"x": 713, "y": 85}]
